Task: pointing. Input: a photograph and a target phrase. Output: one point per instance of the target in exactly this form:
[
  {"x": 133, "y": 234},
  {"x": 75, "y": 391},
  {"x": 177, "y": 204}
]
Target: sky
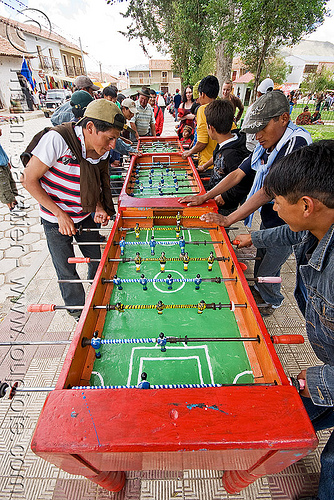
[{"x": 98, "y": 25}]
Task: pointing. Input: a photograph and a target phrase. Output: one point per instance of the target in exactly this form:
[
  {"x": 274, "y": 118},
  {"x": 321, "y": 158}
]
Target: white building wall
[
  {"x": 298, "y": 65},
  {"x": 31, "y": 44},
  {"x": 9, "y": 84}
]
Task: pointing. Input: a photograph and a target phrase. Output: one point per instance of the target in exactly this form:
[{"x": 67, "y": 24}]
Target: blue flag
[{"x": 25, "y": 71}]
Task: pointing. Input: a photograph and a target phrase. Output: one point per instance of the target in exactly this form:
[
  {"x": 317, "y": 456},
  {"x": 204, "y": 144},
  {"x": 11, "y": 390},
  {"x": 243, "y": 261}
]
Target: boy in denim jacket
[{"x": 302, "y": 185}]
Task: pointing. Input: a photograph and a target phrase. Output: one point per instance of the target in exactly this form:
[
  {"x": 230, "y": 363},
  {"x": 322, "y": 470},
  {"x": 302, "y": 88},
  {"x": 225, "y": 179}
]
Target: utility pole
[
  {"x": 82, "y": 57},
  {"x": 101, "y": 75}
]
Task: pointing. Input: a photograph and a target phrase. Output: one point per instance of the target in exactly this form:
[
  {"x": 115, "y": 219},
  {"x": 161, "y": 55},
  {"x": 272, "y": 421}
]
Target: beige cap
[
  {"x": 106, "y": 111},
  {"x": 130, "y": 104}
]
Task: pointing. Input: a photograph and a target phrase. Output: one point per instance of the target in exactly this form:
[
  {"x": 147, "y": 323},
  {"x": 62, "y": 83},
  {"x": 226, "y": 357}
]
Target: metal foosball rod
[
  {"x": 259, "y": 279},
  {"x": 160, "y": 306},
  {"x": 88, "y": 260}
]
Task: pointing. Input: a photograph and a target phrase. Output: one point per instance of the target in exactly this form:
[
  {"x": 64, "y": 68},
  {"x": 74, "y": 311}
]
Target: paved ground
[{"x": 27, "y": 276}]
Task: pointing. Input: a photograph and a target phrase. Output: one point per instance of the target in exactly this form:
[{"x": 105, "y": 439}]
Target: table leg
[
  {"x": 236, "y": 480},
  {"x": 109, "y": 480}
]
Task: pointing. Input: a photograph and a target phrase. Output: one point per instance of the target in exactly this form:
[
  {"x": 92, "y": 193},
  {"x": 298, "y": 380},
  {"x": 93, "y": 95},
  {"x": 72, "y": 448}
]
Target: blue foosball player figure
[
  {"x": 144, "y": 384},
  {"x": 152, "y": 245},
  {"x": 122, "y": 245},
  {"x": 96, "y": 344},
  {"x": 186, "y": 261},
  {"x": 197, "y": 281},
  {"x": 150, "y": 180},
  {"x": 143, "y": 281},
  {"x": 137, "y": 231},
  {"x": 138, "y": 261},
  {"x": 160, "y": 189},
  {"x": 211, "y": 260},
  {"x": 163, "y": 261},
  {"x": 117, "y": 282},
  {"x": 160, "y": 307},
  {"x": 162, "y": 180},
  {"x": 162, "y": 341},
  {"x": 182, "y": 245},
  {"x": 141, "y": 188},
  {"x": 201, "y": 306},
  {"x": 169, "y": 281},
  {"x": 176, "y": 187}
]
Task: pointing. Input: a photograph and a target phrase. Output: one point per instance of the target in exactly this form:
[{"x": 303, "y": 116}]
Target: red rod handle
[
  {"x": 269, "y": 279},
  {"x": 287, "y": 339},
  {"x": 243, "y": 266},
  {"x": 41, "y": 307},
  {"x": 78, "y": 260},
  {"x": 236, "y": 242}
]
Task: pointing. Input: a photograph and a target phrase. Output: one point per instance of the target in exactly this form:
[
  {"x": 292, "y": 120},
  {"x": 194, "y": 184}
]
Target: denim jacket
[{"x": 317, "y": 275}]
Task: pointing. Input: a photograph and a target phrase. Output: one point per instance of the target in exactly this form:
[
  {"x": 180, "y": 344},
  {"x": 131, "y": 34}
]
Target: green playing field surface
[
  {"x": 145, "y": 189},
  {"x": 195, "y": 363}
]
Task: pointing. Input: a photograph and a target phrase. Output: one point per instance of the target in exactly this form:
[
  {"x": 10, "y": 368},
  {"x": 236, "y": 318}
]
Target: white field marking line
[
  {"x": 100, "y": 377},
  {"x": 169, "y": 291},
  {"x": 204, "y": 232},
  {"x": 170, "y": 359},
  {"x": 236, "y": 378},
  {"x": 189, "y": 235},
  {"x": 205, "y": 347}
]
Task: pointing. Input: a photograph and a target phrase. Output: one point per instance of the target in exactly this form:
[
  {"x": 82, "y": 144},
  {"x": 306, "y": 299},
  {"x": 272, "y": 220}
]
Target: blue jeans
[
  {"x": 61, "y": 249},
  {"x": 272, "y": 259},
  {"x": 322, "y": 417}
]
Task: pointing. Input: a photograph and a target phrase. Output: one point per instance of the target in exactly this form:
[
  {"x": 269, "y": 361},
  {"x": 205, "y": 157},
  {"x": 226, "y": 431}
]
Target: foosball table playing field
[
  {"x": 171, "y": 366},
  {"x": 153, "y": 145}
]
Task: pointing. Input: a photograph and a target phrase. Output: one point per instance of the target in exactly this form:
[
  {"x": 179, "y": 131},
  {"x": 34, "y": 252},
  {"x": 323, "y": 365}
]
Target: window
[
  {"x": 141, "y": 78},
  {"x": 164, "y": 76},
  {"x": 310, "y": 68},
  {"x": 234, "y": 75}
]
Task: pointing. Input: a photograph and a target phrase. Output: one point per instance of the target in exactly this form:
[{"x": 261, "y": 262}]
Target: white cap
[
  {"x": 129, "y": 103},
  {"x": 266, "y": 85}
]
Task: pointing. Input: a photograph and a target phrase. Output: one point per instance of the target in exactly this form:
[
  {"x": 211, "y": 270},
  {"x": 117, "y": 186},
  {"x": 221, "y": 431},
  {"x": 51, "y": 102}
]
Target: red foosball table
[{"x": 216, "y": 395}]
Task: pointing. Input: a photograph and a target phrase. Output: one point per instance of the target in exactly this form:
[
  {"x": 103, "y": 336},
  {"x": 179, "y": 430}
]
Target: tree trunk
[
  {"x": 259, "y": 69},
  {"x": 223, "y": 64}
]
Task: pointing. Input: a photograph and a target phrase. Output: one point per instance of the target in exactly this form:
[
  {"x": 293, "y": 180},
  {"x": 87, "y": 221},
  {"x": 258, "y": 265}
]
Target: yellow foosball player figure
[
  {"x": 162, "y": 260},
  {"x": 178, "y": 230},
  {"x": 186, "y": 261},
  {"x": 201, "y": 307},
  {"x": 160, "y": 307},
  {"x": 138, "y": 261},
  {"x": 211, "y": 260},
  {"x": 137, "y": 231},
  {"x": 120, "y": 307},
  {"x": 178, "y": 218}
]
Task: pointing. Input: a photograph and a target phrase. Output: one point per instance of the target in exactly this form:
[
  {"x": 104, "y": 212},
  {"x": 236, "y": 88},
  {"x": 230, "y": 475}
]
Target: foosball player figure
[
  {"x": 150, "y": 180},
  {"x": 122, "y": 245},
  {"x": 182, "y": 245},
  {"x": 186, "y": 261},
  {"x": 160, "y": 307},
  {"x": 176, "y": 186},
  {"x": 178, "y": 215},
  {"x": 137, "y": 231},
  {"x": 141, "y": 188},
  {"x": 162, "y": 261},
  {"x": 96, "y": 344},
  {"x": 117, "y": 282},
  {"x": 119, "y": 307},
  {"x": 197, "y": 281},
  {"x": 169, "y": 281},
  {"x": 143, "y": 281},
  {"x": 160, "y": 189},
  {"x": 138, "y": 261},
  {"x": 143, "y": 384},
  {"x": 162, "y": 341},
  {"x": 152, "y": 245},
  {"x": 201, "y": 307},
  {"x": 178, "y": 230},
  {"x": 211, "y": 260},
  {"x": 162, "y": 180}
]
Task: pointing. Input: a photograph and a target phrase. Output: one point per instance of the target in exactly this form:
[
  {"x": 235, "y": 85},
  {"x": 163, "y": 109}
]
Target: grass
[{"x": 319, "y": 132}]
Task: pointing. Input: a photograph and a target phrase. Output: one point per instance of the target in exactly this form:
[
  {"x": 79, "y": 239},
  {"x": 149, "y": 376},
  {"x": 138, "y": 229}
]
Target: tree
[
  {"x": 260, "y": 27},
  {"x": 275, "y": 68},
  {"x": 318, "y": 82},
  {"x": 178, "y": 27}
]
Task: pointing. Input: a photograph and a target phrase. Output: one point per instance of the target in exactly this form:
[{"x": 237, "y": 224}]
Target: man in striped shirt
[
  {"x": 143, "y": 123},
  {"x": 54, "y": 176}
]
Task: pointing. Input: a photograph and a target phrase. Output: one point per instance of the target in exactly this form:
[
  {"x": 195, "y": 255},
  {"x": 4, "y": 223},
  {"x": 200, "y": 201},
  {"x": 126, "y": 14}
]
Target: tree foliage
[{"x": 318, "y": 82}]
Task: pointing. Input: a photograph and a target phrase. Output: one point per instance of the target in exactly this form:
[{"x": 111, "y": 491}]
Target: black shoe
[{"x": 266, "y": 309}]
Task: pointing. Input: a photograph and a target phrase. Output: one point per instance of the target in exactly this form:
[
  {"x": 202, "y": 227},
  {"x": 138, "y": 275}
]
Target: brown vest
[{"x": 94, "y": 178}]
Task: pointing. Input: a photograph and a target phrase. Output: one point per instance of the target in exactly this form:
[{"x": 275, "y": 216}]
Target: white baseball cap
[{"x": 266, "y": 85}]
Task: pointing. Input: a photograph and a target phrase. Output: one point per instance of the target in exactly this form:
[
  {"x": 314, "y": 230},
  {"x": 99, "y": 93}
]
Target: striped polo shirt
[
  {"x": 143, "y": 119},
  {"x": 62, "y": 180}
]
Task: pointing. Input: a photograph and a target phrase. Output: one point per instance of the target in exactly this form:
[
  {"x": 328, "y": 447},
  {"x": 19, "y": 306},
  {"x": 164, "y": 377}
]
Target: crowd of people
[{"x": 268, "y": 164}]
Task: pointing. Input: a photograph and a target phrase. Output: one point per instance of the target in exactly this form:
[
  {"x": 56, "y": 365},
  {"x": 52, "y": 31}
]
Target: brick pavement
[{"x": 29, "y": 265}]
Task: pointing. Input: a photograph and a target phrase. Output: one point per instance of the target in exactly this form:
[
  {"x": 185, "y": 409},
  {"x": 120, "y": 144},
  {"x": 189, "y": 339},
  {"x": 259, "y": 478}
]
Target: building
[
  {"x": 158, "y": 75},
  {"x": 308, "y": 56},
  {"x": 55, "y": 62},
  {"x": 119, "y": 81},
  {"x": 10, "y": 66}
]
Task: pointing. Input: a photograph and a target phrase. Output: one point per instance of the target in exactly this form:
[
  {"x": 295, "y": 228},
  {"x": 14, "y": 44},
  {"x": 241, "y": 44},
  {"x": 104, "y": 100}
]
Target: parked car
[{"x": 54, "y": 98}]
